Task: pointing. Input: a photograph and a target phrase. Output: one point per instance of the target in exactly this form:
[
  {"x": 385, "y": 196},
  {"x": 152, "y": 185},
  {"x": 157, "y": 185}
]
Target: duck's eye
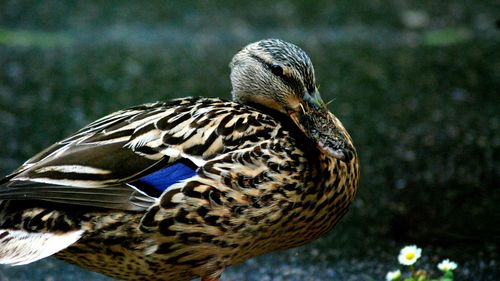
[{"x": 276, "y": 69}]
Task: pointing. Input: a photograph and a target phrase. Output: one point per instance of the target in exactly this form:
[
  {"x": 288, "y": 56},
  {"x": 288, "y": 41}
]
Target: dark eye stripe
[
  {"x": 311, "y": 88},
  {"x": 276, "y": 69},
  {"x": 291, "y": 81}
]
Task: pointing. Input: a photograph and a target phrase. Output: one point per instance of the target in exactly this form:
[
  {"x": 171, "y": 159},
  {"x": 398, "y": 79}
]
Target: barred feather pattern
[
  {"x": 260, "y": 186},
  {"x": 200, "y": 128}
]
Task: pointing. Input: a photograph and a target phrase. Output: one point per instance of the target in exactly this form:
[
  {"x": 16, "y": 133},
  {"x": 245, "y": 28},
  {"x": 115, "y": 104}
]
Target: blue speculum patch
[{"x": 155, "y": 183}]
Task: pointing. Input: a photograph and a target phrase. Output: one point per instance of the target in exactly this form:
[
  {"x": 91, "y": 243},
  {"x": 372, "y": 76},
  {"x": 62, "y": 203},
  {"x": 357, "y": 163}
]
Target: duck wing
[{"x": 127, "y": 159}]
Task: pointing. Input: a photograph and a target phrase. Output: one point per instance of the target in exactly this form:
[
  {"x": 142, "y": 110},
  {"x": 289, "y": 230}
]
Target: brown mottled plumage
[{"x": 187, "y": 188}]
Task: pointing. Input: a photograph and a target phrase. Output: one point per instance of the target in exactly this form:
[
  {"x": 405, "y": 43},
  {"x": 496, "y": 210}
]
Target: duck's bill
[{"x": 322, "y": 127}]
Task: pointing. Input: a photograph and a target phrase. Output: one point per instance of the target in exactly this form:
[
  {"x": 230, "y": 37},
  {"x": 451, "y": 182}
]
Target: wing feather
[
  {"x": 116, "y": 197},
  {"x": 96, "y": 165}
]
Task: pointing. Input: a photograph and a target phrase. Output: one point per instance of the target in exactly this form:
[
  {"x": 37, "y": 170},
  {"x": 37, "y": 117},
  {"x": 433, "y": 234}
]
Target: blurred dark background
[{"x": 415, "y": 82}]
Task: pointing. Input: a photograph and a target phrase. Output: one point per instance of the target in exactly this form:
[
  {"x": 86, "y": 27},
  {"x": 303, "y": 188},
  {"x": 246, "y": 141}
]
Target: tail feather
[{"x": 19, "y": 247}]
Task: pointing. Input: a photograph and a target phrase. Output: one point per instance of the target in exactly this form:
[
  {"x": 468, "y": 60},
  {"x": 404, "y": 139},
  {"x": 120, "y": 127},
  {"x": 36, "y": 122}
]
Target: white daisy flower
[
  {"x": 447, "y": 265},
  {"x": 409, "y": 255},
  {"x": 393, "y": 275}
]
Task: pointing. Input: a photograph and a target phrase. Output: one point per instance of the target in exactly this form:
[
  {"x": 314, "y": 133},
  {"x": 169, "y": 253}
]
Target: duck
[{"x": 183, "y": 189}]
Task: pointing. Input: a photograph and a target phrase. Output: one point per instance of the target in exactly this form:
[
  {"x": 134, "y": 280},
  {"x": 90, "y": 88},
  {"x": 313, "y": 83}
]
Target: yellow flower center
[{"x": 410, "y": 255}]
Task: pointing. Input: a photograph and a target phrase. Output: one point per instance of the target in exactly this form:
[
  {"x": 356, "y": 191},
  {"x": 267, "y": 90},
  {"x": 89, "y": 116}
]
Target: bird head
[
  {"x": 273, "y": 73},
  {"x": 280, "y": 76}
]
